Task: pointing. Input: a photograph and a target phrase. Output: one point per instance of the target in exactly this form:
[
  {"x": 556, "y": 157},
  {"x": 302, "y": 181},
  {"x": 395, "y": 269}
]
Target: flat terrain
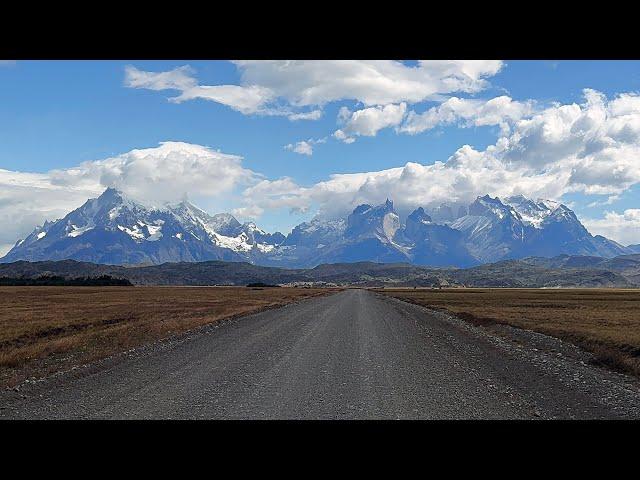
[
  {"x": 45, "y": 329},
  {"x": 351, "y": 355},
  {"x": 605, "y": 322}
]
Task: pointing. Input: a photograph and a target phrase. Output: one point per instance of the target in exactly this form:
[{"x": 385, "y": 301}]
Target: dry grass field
[
  {"x": 45, "y": 329},
  {"x": 605, "y": 322}
]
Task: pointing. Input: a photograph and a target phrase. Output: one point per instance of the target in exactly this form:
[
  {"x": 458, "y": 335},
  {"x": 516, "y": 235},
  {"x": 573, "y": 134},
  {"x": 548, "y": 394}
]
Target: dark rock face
[{"x": 433, "y": 244}]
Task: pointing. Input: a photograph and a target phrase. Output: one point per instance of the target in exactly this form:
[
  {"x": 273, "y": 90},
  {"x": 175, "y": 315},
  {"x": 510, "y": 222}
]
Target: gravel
[{"x": 352, "y": 355}]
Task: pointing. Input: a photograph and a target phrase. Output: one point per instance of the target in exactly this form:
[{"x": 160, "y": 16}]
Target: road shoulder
[{"x": 563, "y": 362}]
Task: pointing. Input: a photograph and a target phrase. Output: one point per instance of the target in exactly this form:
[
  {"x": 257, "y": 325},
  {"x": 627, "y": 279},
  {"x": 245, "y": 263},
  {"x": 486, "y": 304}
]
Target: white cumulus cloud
[
  {"x": 368, "y": 121},
  {"x": 621, "y": 227},
  {"x": 501, "y": 111},
  {"x": 160, "y": 174},
  {"x": 28, "y": 199},
  {"x": 303, "y": 148}
]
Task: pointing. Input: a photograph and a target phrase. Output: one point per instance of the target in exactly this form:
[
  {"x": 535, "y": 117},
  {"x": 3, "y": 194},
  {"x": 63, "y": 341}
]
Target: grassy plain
[
  {"x": 45, "y": 329},
  {"x": 605, "y": 321}
]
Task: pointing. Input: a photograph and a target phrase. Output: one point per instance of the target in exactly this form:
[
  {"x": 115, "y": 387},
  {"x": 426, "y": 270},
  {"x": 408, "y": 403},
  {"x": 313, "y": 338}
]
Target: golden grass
[
  {"x": 605, "y": 322},
  {"x": 45, "y": 329}
]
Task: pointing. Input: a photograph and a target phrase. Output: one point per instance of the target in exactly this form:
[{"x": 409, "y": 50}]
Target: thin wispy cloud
[{"x": 290, "y": 88}]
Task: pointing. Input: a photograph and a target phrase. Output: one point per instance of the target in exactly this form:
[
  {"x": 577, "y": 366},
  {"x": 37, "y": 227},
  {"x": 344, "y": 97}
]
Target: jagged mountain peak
[
  {"x": 516, "y": 198},
  {"x": 492, "y": 207},
  {"x": 111, "y": 205},
  {"x": 113, "y": 228},
  {"x": 380, "y": 221},
  {"x": 360, "y": 209},
  {"x": 381, "y": 209},
  {"x": 111, "y": 193},
  {"x": 488, "y": 200},
  {"x": 540, "y": 212},
  {"x": 520, "y": 200},
  {"x": 186, "y": 210},
  {"x": 419, "y": 215},
  {"x": 550, "y": 204},
  {"x": 114, "y": 196}
]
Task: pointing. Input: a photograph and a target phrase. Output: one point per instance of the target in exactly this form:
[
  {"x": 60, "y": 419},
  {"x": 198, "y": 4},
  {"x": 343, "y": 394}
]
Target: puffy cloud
[
  {"x": 28, "y": 199},
  {"x": 621, "y": 227},
  {"x": 160, "y": 174},
  {"x": 597, "y": 142},
  {"x": 368, "y": 121},
  {"x": 276, "y": 194},
  {"x": 467, "y": 174},
  {"x": 252, "y": 212},
  {"x": 151, "y": 175},
  {"x": 266, "y": 85},
  {"x": 501, "y": 111},
  {"x": 304, "y": 147},
  {"x": 340, "y": 135}
]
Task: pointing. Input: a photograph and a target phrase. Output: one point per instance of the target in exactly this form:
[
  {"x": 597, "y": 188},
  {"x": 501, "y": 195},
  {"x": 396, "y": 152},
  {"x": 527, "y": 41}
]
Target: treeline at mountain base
[{"x": 57, "y": 281}]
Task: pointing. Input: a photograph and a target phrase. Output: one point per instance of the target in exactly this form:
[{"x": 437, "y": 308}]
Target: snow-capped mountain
[
  {"x": 518, "y": 227},
  {"x": 114, "y": 229}
]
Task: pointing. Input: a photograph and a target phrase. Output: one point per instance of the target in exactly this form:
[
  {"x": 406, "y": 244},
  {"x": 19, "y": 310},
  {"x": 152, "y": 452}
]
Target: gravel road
[{"x": 352, "y": 355}]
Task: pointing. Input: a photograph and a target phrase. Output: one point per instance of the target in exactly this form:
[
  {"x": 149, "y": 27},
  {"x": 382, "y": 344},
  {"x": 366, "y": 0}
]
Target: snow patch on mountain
[
  {"x": 237, "y": 244},
  {"x": 75, "y": 231}
]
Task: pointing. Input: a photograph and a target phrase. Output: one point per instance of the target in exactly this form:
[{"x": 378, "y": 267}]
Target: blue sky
[{"x": 56, "y": 115}]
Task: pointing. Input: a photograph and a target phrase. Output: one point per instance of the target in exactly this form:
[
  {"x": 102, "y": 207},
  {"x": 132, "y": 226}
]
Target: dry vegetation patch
[
  {"x": 605, "y": 322},
  {"x": 44, "y": 329}
]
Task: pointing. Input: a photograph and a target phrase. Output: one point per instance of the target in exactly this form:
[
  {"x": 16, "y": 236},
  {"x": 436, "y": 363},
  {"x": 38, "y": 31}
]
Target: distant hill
[
  {"x": 634, "y": 248},
  {"x": 534, "y": 272}
]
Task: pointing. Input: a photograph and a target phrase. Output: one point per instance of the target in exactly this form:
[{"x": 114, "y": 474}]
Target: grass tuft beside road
[
  {"x": 46, "y": 329},
  {"x": 605, "y": 322}
]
